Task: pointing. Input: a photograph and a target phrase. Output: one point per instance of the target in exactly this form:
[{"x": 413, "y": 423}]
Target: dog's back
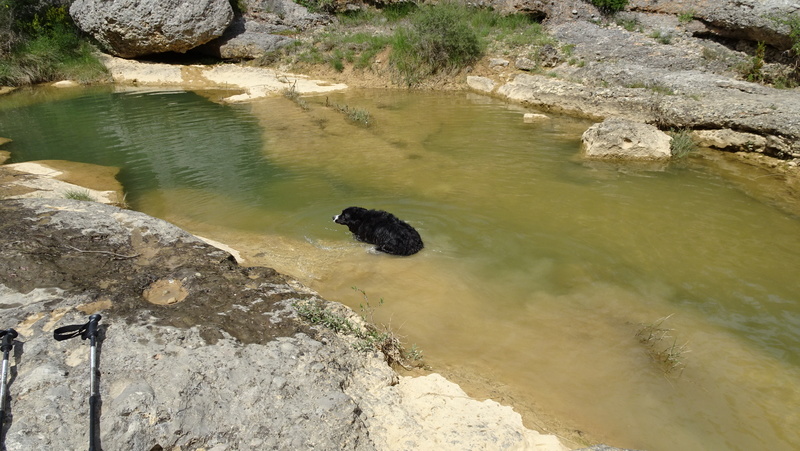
[{"x": 387, "y": 232}]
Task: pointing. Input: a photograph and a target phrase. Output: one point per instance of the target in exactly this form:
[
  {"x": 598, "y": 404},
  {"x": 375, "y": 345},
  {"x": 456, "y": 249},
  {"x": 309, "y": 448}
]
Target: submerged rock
[{"x": 624, "y": 139}]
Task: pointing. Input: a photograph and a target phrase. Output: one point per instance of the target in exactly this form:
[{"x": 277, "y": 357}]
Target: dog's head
[{"x": 349, "y": 215}]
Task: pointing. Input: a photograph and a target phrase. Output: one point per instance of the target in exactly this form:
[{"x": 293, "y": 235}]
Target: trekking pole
[
  {"x": 7, "y": 345},
  {"x": 88, "y": 330}
]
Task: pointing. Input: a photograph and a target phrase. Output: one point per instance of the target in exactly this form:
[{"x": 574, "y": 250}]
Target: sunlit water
[{"x": 538, "y": 270}]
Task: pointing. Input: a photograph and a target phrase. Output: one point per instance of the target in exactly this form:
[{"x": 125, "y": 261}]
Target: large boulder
[
  {"x": 753, "y": 20},
  {"x": 624, "y": 139},
  {"x": 131, "y": 28},
  {"x": 262, "y": 28},
  {"x": 285, "y": 12},
  {"x": 247, "y": 39}
]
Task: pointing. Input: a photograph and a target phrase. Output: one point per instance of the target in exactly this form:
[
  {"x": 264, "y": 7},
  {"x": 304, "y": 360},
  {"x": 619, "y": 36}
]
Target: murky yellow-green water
[{"x": 539, "y": 268}]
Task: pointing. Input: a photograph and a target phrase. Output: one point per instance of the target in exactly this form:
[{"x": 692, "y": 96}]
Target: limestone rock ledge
[
  {"x": 227, "y": 366},
  {"x": 60, "y": 179},
  {"x": 250, "y": 82}
]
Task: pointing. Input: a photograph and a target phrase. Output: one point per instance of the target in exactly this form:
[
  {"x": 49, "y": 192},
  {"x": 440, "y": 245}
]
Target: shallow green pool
[{"x": 539, "y": 268}]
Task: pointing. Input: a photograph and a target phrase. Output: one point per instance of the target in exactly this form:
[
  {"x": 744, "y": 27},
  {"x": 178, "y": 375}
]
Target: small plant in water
[
  {"x": 357, "y": 115},
  {"x": 670, "y": 357},
  {"x": 77, "y": 194},
  {"x": 292, "y": 94},
  {"x": 682, "y": 143}
]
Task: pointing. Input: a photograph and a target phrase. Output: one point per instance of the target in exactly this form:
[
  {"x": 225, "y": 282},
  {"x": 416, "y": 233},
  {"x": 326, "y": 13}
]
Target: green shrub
[
  {"x": 316, "y": 6},
  {"x": 752, "y": 69},
  {"x": 45, "y": 45},
  {"x": 686, "y": 17},
  {"x": 398, "y": 11},
  {"x": 610, "y": 6},
  {"x": 793, "y": 22},
  {"x": 439, "y": 38},
  {"x": 426, "y": 40}
]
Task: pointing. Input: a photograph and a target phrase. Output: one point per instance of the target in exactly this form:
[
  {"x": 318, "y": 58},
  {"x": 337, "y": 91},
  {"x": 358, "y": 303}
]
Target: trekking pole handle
[
  {"x": 8, "y": 339},
  {"x": 91, "y": 327}
]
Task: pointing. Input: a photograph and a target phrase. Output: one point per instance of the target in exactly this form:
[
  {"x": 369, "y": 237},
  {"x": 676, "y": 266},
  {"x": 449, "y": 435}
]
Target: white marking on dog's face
[{"x": 335, "y": 218}]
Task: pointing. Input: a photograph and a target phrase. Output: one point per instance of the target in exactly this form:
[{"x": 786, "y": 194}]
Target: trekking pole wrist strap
[
  {"x": 87, "y": 330},
  {"x": 71, "y": 331}
]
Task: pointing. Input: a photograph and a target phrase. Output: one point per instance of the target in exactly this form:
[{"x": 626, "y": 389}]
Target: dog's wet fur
[{"x": 383, "y": 229}]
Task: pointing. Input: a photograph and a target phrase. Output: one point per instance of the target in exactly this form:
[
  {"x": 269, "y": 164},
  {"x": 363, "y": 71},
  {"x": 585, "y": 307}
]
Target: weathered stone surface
[
  {"x": 247, "y": 39},
  {"x": 623, "y": 139},
  {"x": 286, "y": 13},
  {"x": 525, "y": 64},
  {"x": 255, "y": 82},
  {"x": 729, "y": 140},
  {"x": 498, "y": 62},
  {"x": 262, "y": 28},
  {"x": 481, "y": 84},
  {"x": 549, "y": 10},
  {"x": 60, "y": 179},
  {"x": 131, "y": 28},
  {"x": 229, "y": 367},
  {"x": 753, "y": 20},
  {"x": 630, "y": 75}
]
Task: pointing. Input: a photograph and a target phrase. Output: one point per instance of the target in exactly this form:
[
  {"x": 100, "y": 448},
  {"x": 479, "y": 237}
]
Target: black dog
[{"x": 389, "y": 234}]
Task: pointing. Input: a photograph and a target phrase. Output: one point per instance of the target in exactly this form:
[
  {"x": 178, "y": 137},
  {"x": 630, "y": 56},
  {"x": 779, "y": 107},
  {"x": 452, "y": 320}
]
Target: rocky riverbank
[
  {"x": 681, "y": 66},
  {"x": 197, "y": 352},
  {"x": 183, "y": 363}
]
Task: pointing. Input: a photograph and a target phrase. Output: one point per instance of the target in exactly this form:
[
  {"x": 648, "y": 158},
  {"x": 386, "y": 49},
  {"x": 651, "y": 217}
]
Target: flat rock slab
[{"x": 250, "y": 82}]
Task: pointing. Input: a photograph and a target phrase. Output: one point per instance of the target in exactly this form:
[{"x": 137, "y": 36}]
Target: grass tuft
[
  {"x": 682, "y": 143},
  {"x": 369, "y": 337},
  {"x": 656, "y": 339},
  {"x": 77, "y": 194},
  {"x": 292, "y": 94},
  {"x": 357, "y": 115}
]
